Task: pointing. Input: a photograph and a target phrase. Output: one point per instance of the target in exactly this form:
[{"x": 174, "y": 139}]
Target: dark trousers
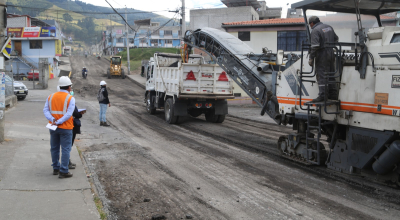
[
  {"x": 60, "y": 141},
  {"x": 325, "y": 63},
  {"x": 73, "y": 137}
]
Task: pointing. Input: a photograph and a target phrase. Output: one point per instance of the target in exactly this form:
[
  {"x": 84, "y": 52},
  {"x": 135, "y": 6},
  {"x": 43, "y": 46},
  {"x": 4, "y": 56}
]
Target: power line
[{"x": 83, "y": 12}]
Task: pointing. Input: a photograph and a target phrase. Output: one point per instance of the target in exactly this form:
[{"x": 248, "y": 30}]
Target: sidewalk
[{"x": 28, "y": 189}]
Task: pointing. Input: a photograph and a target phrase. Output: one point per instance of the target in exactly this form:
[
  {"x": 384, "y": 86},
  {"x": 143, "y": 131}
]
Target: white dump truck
[{"x": 187, "y": 88}]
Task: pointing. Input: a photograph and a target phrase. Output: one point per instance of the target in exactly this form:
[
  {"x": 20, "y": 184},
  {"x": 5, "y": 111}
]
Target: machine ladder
[{"x": 313, "y": 145}]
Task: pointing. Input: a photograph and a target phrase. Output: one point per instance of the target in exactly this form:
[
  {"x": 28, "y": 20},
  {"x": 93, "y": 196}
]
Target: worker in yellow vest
[{"x": 58, "y": 110}]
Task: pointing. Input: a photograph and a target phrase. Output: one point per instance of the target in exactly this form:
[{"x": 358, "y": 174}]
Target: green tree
[{"x": 67, "y": 17}]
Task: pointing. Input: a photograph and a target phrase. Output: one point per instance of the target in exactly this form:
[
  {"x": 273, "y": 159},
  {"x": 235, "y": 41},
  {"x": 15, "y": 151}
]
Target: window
[
  {"x": 168, "y": 41},
  {"x": 395, "y": 39},
  {"x": 116, "y": 60},
  {"x": 244, "y": 35},
  {"x": 291, "y": 40},
  {"x": 156, "y": 32},
  {"x": 35, "y": 44},
  {"x": 143, "y": 40},
  {"x": 168, "y": 33},
  {"x": 154, "y": 41}
]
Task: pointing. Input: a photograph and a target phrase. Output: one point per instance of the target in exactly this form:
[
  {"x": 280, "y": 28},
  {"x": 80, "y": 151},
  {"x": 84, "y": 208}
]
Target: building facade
[
  {"x": 152, "y": 35},
  {"x": 34, "y": 41},
  {"x": 288, "y": 34}
]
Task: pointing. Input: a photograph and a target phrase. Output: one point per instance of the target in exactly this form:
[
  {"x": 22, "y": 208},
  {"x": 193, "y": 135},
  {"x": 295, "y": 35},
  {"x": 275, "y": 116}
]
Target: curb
[{"x": 137, "y": 83}]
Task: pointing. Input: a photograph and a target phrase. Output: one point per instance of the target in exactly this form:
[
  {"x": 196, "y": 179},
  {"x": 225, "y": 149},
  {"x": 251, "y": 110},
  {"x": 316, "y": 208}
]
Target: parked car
[
  {"x": 20, "y": 90},
  {"x": 30, "y": 76}
]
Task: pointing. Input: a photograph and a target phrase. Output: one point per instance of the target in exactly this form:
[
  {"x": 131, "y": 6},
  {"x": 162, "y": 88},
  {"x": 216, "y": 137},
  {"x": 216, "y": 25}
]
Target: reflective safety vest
[{"x": 58, "y": 104}]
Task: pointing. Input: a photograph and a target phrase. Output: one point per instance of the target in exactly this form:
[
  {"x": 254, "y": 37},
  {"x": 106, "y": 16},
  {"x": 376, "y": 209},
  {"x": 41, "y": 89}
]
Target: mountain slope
[{"x": 80, "y": 12}]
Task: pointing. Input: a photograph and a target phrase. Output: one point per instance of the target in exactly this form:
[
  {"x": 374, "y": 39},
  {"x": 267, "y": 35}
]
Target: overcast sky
[{"x": 161, "y": 6}]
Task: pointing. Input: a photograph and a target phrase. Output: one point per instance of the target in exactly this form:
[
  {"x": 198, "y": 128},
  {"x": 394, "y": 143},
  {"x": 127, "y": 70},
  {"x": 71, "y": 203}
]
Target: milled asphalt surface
[{"x": 28, "y": 189}]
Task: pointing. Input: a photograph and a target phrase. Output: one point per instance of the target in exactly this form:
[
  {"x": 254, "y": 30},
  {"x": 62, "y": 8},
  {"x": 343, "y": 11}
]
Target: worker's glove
[{"x": 311, "y": 62}]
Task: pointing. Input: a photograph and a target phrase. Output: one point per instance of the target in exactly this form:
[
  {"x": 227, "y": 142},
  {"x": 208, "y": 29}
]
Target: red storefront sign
[{"x": 31, "y": 32}]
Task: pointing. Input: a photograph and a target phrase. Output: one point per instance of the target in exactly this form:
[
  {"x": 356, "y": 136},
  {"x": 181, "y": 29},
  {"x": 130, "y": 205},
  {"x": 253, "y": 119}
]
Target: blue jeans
[
  {"x": 103, "y": 111},
  {"x": 63, "y": 138}
]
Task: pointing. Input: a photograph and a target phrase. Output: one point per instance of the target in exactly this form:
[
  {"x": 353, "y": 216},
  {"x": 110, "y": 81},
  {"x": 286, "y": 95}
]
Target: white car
[{"x": 20, "y": 90}]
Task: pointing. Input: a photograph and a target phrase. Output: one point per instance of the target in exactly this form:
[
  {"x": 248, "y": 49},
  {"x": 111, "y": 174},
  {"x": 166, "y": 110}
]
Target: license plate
[{"x": 21, "y": 91}]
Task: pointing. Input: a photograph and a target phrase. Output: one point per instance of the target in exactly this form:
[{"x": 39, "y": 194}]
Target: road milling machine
[{"x": 361, "y": 128}]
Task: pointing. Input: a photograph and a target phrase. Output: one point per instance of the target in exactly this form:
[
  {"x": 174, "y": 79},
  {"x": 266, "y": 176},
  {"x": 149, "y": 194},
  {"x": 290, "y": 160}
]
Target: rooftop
[
  {"x": 275, "y": 21},
  {"x": 300, "y": 20},
  {"x": 237, "y": 3}
]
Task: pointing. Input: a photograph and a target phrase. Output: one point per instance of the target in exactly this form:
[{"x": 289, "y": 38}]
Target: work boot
[
  {"x": 318, "y": 99},
  {"x": 71, "y": 165},
  {"x": 101, "y": 123},
  {"x": 105, "y": 124},
  {"x": 56, "y": 172},
  {"x": 65, "y": 175}
]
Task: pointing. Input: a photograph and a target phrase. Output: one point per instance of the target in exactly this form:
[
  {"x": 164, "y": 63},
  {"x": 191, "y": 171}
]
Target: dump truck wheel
[
  {"x": 211, "y": 117},
  {"x": 150, "y": 110},
  {"x": 221, "y": 118},
  {"x": 123, "y": 74},
  {"x": 108, "y": 74},
  {"x": 170, "y": 118}
]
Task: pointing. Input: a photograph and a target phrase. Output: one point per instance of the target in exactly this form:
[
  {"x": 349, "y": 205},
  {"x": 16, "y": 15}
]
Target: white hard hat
[
  {"x": 64, "y": 81},
  {"x": 102, "y": 83}
]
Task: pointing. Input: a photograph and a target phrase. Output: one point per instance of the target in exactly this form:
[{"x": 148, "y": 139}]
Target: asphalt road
[{"x": 145, "y": 168}]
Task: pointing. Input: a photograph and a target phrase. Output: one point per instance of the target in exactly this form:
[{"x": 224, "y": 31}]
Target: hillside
[
  {"x": 82, "y": 21},
  {"x": 139, "y": 54}
]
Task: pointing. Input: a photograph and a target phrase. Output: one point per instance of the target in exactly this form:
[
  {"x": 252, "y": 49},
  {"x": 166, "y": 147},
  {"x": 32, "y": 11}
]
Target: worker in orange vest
[{"x": 58, "y": 110}]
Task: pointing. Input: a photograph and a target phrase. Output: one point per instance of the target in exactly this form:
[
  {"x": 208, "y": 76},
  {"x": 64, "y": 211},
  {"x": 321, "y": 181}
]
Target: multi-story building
[
  {"x": 150, "y": 35},
  {"x": 235, "y": 11},
  {"x": 33, "y": 41}
]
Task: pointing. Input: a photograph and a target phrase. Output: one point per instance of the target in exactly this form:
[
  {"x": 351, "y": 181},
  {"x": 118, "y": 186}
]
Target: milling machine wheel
[
  {"x": 123, "y": 74},
  {"x": 108, "y": 74},
  {"x": 282, "y": 144},
  {"x": 323, "y": 154}
]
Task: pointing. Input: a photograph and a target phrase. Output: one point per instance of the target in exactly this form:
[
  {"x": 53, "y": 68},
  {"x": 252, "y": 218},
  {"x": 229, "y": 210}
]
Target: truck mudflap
[
  {"x": 221, "y": 107},
  {"x": 180, "y": 108}
]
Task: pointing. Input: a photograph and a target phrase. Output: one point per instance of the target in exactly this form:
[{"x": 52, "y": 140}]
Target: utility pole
[
  {"x": 111, "y": 39},
  {"x": 2, "y": 92},
  {"x": 127, "y": 42},
  {"x": 183, "y": 25}
]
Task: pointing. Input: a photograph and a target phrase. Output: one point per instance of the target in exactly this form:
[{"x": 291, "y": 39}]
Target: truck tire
[
  {"x": 221, "y": 118},
  {"x": 108, "y": 74},
  {"x": 170, "y": 118},
  {"x": 211, "y": 117},
  {"x": 150, "y": 110},
  {"x": 123, "y": 74}
]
